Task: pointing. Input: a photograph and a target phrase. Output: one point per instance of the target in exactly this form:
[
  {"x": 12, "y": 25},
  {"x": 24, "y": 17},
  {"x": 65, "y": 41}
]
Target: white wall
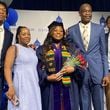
[{"x": 38, "y": 21}]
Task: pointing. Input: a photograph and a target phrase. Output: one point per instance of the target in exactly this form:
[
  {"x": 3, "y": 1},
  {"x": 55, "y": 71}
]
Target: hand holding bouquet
[{"x": 73, "y": 61}]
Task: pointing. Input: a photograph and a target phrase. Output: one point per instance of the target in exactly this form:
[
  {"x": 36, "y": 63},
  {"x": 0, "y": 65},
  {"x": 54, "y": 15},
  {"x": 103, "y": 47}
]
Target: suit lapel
[
  {"x": 78, "y": 37},
  {"x": 5, "y": 41},
  {"x": 92, "y": 36},
  {"x": 106, "y": 42}
]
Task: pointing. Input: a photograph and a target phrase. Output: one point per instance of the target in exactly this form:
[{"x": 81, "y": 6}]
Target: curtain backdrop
[{"x": 61, "y": 5}]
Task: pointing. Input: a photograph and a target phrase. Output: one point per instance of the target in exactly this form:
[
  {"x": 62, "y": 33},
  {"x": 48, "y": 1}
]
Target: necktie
[{"x": 85, "y": 37}]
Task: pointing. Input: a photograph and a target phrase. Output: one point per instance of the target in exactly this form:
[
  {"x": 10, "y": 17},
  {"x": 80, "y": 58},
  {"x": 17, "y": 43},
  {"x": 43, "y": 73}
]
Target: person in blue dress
[
  {"x": 59, "y": 87},
  {"x": 21, "y": 60}
]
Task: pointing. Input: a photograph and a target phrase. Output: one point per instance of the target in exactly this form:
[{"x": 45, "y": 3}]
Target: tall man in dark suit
[
  {"x": 89, "y": 37},
  {"x": 107, "y": 40},
  {"x": 5, "y": 41}
]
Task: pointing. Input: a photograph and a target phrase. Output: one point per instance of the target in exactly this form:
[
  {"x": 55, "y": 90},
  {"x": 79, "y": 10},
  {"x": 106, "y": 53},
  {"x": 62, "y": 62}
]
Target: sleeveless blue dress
[{"x": 26, "y": 80}]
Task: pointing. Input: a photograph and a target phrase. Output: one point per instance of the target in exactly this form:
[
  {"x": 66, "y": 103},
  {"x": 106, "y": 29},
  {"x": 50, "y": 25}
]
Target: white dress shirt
[
  {"x": 109, "y": 51},
  {"x": 1, "y": 38}
]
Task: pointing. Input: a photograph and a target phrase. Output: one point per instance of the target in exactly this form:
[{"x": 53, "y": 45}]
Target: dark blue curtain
[{"x": 60, "y": 5}]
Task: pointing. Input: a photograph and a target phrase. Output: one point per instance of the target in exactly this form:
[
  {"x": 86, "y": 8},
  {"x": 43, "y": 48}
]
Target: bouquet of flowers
[
  {"x": 74, "y": 61},
  {"x": 77, "y": 60}
]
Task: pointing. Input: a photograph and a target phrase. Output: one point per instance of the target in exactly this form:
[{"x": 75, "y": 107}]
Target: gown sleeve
[{"x": 41, "y": 67}]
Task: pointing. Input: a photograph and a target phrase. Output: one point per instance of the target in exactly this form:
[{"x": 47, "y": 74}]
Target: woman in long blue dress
[
  {"x": 22, "y": 61},
  {"x": 59, "y": 88}
]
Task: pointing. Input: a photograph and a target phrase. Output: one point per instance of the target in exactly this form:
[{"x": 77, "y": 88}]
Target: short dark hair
[
  {"x": 83, "y": 5},
  {"x": 108, "y": 17},
  {"x": 5, "y": 5}
]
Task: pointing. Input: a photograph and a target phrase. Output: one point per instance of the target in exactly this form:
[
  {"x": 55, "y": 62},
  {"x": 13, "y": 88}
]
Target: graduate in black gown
[{"x": 59, "y": 87}]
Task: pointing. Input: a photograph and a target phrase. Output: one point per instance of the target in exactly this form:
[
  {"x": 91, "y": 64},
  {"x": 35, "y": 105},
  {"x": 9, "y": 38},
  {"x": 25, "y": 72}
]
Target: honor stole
[{"x": 53, "y": 68}]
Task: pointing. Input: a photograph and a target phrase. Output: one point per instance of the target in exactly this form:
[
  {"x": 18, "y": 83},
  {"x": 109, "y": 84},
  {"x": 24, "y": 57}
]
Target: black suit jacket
[
  {"x": 8, "y": 37},
  {"x": 106, "y": 42}
]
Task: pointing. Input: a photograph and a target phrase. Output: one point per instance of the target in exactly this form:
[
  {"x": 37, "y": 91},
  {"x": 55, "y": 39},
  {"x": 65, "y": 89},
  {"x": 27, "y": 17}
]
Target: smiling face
[
  {"x": 85, "y": 13},
  {"x": 24, "y": 36},
  {"x": 3, "y": 13},
  {"x": 57, "y": 33}
]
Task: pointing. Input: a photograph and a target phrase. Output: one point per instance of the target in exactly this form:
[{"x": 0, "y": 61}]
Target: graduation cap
[{"x": 58, "y": 22}]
